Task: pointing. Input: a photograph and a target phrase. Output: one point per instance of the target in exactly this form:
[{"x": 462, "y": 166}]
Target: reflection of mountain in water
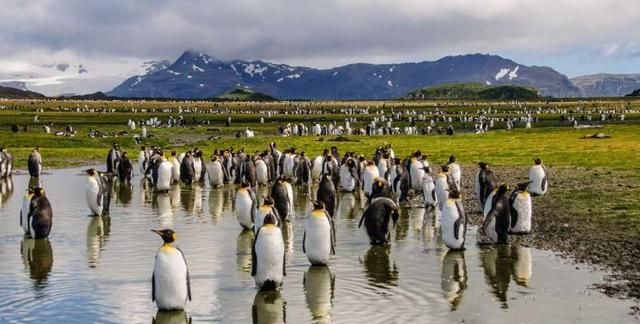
[
  {"x": 378, "y": 268},
  {"x": 500, "y": 263},
  {"x": 37, "y": 256},
  {"x": 318, "y": 291},
  {"x": 268, "y": 307},
  {"x": 454, "y": 277}
]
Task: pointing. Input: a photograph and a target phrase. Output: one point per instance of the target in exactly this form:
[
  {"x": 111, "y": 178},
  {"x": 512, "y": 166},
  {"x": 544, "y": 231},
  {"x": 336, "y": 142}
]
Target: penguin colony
[{"x": 384, "y": 180}]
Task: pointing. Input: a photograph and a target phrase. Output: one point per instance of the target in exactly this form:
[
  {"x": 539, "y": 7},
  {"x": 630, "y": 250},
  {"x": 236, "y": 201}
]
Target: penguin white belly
[
  {"x": 428, "y": 192},
  {"x": 288, "y": 166},
  {"x": 487, "y": 205},
  {"x": 449, "y": 217},
  {"x": 269, "y": 249},
  {"x": 197, "y": 167},
  {"x": 175, "y": 170},
  {"x": 382, "y": 169},
  {"x": 347, "y": 182},
  {"x": 170, "y": 279},
  {"x": 243, "y": 208},
  {"x": 290, "y": 196},
  {"x": 522, "y": 205},
  {"x": 490, "y": 230},
  {"x": 317, "y": 239},
  {"x": 216, "y": 176},
  {"x": 141, "y": 165},
  {"x": 262, "y": 173},
  {"x": 370, "y": 174},
  {"x": 164, "y": 176},
  {"x": 441, "y": 187},
  {"x": 24, "y": 213},
  {"x": 392, "y": 178},
  {"x": 316, "y": 169},
  {"x": 417, "y": 173},
  {"x": 537, "y": 176},
  {"x": 456, "y": 174},
  {"x": 92, "y": 189}
]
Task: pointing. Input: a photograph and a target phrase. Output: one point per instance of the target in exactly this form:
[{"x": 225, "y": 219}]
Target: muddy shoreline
[{"x": 594, "y": 241}]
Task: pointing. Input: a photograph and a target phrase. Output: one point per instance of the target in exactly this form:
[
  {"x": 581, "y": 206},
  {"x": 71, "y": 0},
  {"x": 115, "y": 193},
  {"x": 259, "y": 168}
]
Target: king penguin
[
  {"x": 443, "y": 186},
  {"x": 520, "y": 202},
  {"x": 486, "y": 182},
  {"x": 40, "y": 215},
  {"x": 281, "y": 198},
  {"x": 376, "y": 219},
  {"x": 94, "y": 192},
  {"x": 215, "y": 173},
  {"x": 538, "y": 178},
  {"x": 170, "y": 283},
  {"x": 327, "y": 194},
  {"x": 34, "y": 163},
  {"x": 319, "y": 238},
  {"x": 245, "y": 205},
  {"x": 264, "y": 210},
  {"x": 454, "y": 222},
  {"x": 268, "y": 256},
  {"x": 348, "y": 175},
  {"x": 262, "y": 172},
  {"x": 175, "y": 167},
  {"x": 455, "y": 171},
  {"x": 429, "y": 190},
  {"x": 369, "y": 176},
  {"x": 497, "y": 216},
  {"x": 164, "y": 175},
  {"x": 125, "y": 168},
  {"x": 187, "y": 169},
  {"x": 416, "y": 171},
  {"x": 24, "y": 211}
]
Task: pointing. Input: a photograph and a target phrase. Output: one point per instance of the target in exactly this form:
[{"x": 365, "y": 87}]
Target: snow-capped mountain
[{"x": 198, "y": 75}]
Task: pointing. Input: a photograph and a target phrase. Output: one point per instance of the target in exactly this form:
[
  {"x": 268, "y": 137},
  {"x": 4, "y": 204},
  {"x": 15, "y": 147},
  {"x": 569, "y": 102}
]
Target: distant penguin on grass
[
  {"x": 264, "y": 210},
  {"x": 376, "y": 220},
  {"x": 498, "y": 215},
  {"x": 268, "y": 256},
  {"x": 94, "y": 192},
  {"x": 39, "y": 215},
  {"x": 486, "y": 182},
  {"x": 34, "y": 163},
  {"x": 521, "y": 208},
  {"x": 170, "y": 282},
  {"x": 246, "y": 205},
  {"x": 318, "y": 241},
  {"x": 327, "y": 194},
  {"x": 454, "y": 222},
  {"x": 538, "y": 178}
]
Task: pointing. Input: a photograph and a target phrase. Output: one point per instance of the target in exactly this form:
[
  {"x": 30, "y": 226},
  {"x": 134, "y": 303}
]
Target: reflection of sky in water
[{"x": 99, "y": 269}]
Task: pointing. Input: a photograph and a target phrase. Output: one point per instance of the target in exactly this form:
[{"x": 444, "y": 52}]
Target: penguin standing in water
[
  {"x": 125, "y": 168},
  {"x": 268, "y": 255},
  {"x": 262, "y": 172},
  {"x": 538, "y": 178},
  {"x": 248, "y": 172},
  {"x": 143, "y": 160},
  {"x": 281, "y": 198},
  {"x": 454, "y": 222},
  {"x": 443, "y": 185},
  {"x": 380, "y": 189},
  {"x": 429, "y": 190},
  {"x": 376, "y": 219},
  {"x": 400, "y": 180},
  {"x": 316, "y": 167},
  {"x": 520, "y": 201},
  {"x": 24, "y": 211},
  {"x": 348, "y": 175},
  {"x": 106, "y": 181},
  {"x": 170, "y": 283},
  {"x": 40, "y": 215},
  {"x": 319, "y": 238},
  {"x": 486, "y": 182},
  {"x": 215, "y": 172},
  {"x": 369, "y": 176},
  {"x": 164, "y": 174},
  {"x": 455, "y": 171},
  {"x": 34, "y": 163},
  {"x": 198, "y": 167},
  {"x": 113, "y": 158},
  {"x": 94, "y": 192},
  {"x": 416, "y": 171},
  {"x": 246, "y": 204},
  {"x": 6, "y": 163},
  {"x": 497, "y": 216},
  {"x": 327, "y": 194},
  {"x": 267, "y": 208},
  {"x": 187, "y": 169},
  {"x": 175, "y": 167}
]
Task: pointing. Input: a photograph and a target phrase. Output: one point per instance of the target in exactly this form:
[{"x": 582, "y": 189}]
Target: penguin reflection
[
  {"x": 268, "y": 307},
  {"x": 191, "y": 198},
  {"x": 346, "y": 206},
  {"x": 125, "y": 193},
  {"x": 454, "y": 277},
  {"x": 287, "y": 236},
  {"x": 35, "y": 182},
  {"x": 216, "y": 201},
  {"x": 378, "y": 267},
  {"x": 244, "y": 244},
  {"x": 6, "y": 189},
  {"x": 97, "y": 234},
  {"x": 171, "y": 317},
  {"x": 521, "y": 265},
  {"x": 416, "y": 215},
  {"x": 37, "y": 256},
  {"x": 145, "y": 191},
  {"x": 319, "y": 285},
  {"x": 496, "y": 262},
  {"x": 402, "y": 227},
  {"x": 162, "y": 202}
]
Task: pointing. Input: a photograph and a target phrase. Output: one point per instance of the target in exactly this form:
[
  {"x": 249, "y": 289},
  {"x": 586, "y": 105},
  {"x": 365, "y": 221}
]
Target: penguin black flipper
[
  {"x": 100, "y": 189},
  {"x": 274, "y": 210},
  {"x": 460, "y": 221},
  {"x": 254, "y": 257},
  {"x": 304, "y": 238},
  {"x": 284, "y": 263},
  {"x": 254, "y": 203},
  {"x": 543, "y": 184},
  {"x": 333, "y": 233},
  {"x": 364, "y": 215},
  {"x": 188, "y": 276},
  {"x": 153, "y": 286},
  {"x": 514, "y": 211}
]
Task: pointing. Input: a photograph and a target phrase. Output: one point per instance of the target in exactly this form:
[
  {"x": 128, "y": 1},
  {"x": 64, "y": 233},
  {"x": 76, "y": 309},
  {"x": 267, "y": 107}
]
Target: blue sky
[{"x": 111, "y": 39}]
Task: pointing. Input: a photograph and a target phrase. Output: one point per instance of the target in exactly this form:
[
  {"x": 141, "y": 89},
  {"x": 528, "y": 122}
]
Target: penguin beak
[{"x": 157, "y": 232}]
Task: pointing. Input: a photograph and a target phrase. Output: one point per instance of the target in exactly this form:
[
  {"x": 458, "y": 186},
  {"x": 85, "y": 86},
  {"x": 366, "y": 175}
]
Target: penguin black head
[
  {"x": 37, "y": 149},
  {"x": 537, "y": 161},
  {"x": 523, "y": 186},
  {"x": 269, "y": 219},
  {"x": 418, "y": 153},
  {"x": 454, "y": 194},
  {"x": 125, "y": 154},
  {"x": 502, "y": 189},
  {"x": 445, "y": 168},
  {"x": 39, "y": 191},
  {"x": 397, "y": 161},
  {"x": 267, "y": 200},
  {"x": 370, "y": 162},
  {"x": 361, "y": 158},
  {"x": 168, "y": 235},
  {"x": 452, "y": 158},
  {"x": 174, "y": 153},
  {"x": 317, "y": 204},
  {"x": 427, "y": 169},
  {"x": 244, "y": 184},
  {"x": 143, "y": 148},
  {"x": 482, "y": 165},
  {"x": 379, "y": 182},
  {"x": 351, "y": 163},
  {"x": 91, "y": 171}
]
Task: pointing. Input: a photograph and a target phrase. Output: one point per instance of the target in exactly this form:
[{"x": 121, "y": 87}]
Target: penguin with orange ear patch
[{"x": 170, "y": 282}]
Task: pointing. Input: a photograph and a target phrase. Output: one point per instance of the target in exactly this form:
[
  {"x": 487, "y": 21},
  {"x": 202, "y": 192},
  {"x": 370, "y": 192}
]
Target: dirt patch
[{"x": 589, "y": 215}]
